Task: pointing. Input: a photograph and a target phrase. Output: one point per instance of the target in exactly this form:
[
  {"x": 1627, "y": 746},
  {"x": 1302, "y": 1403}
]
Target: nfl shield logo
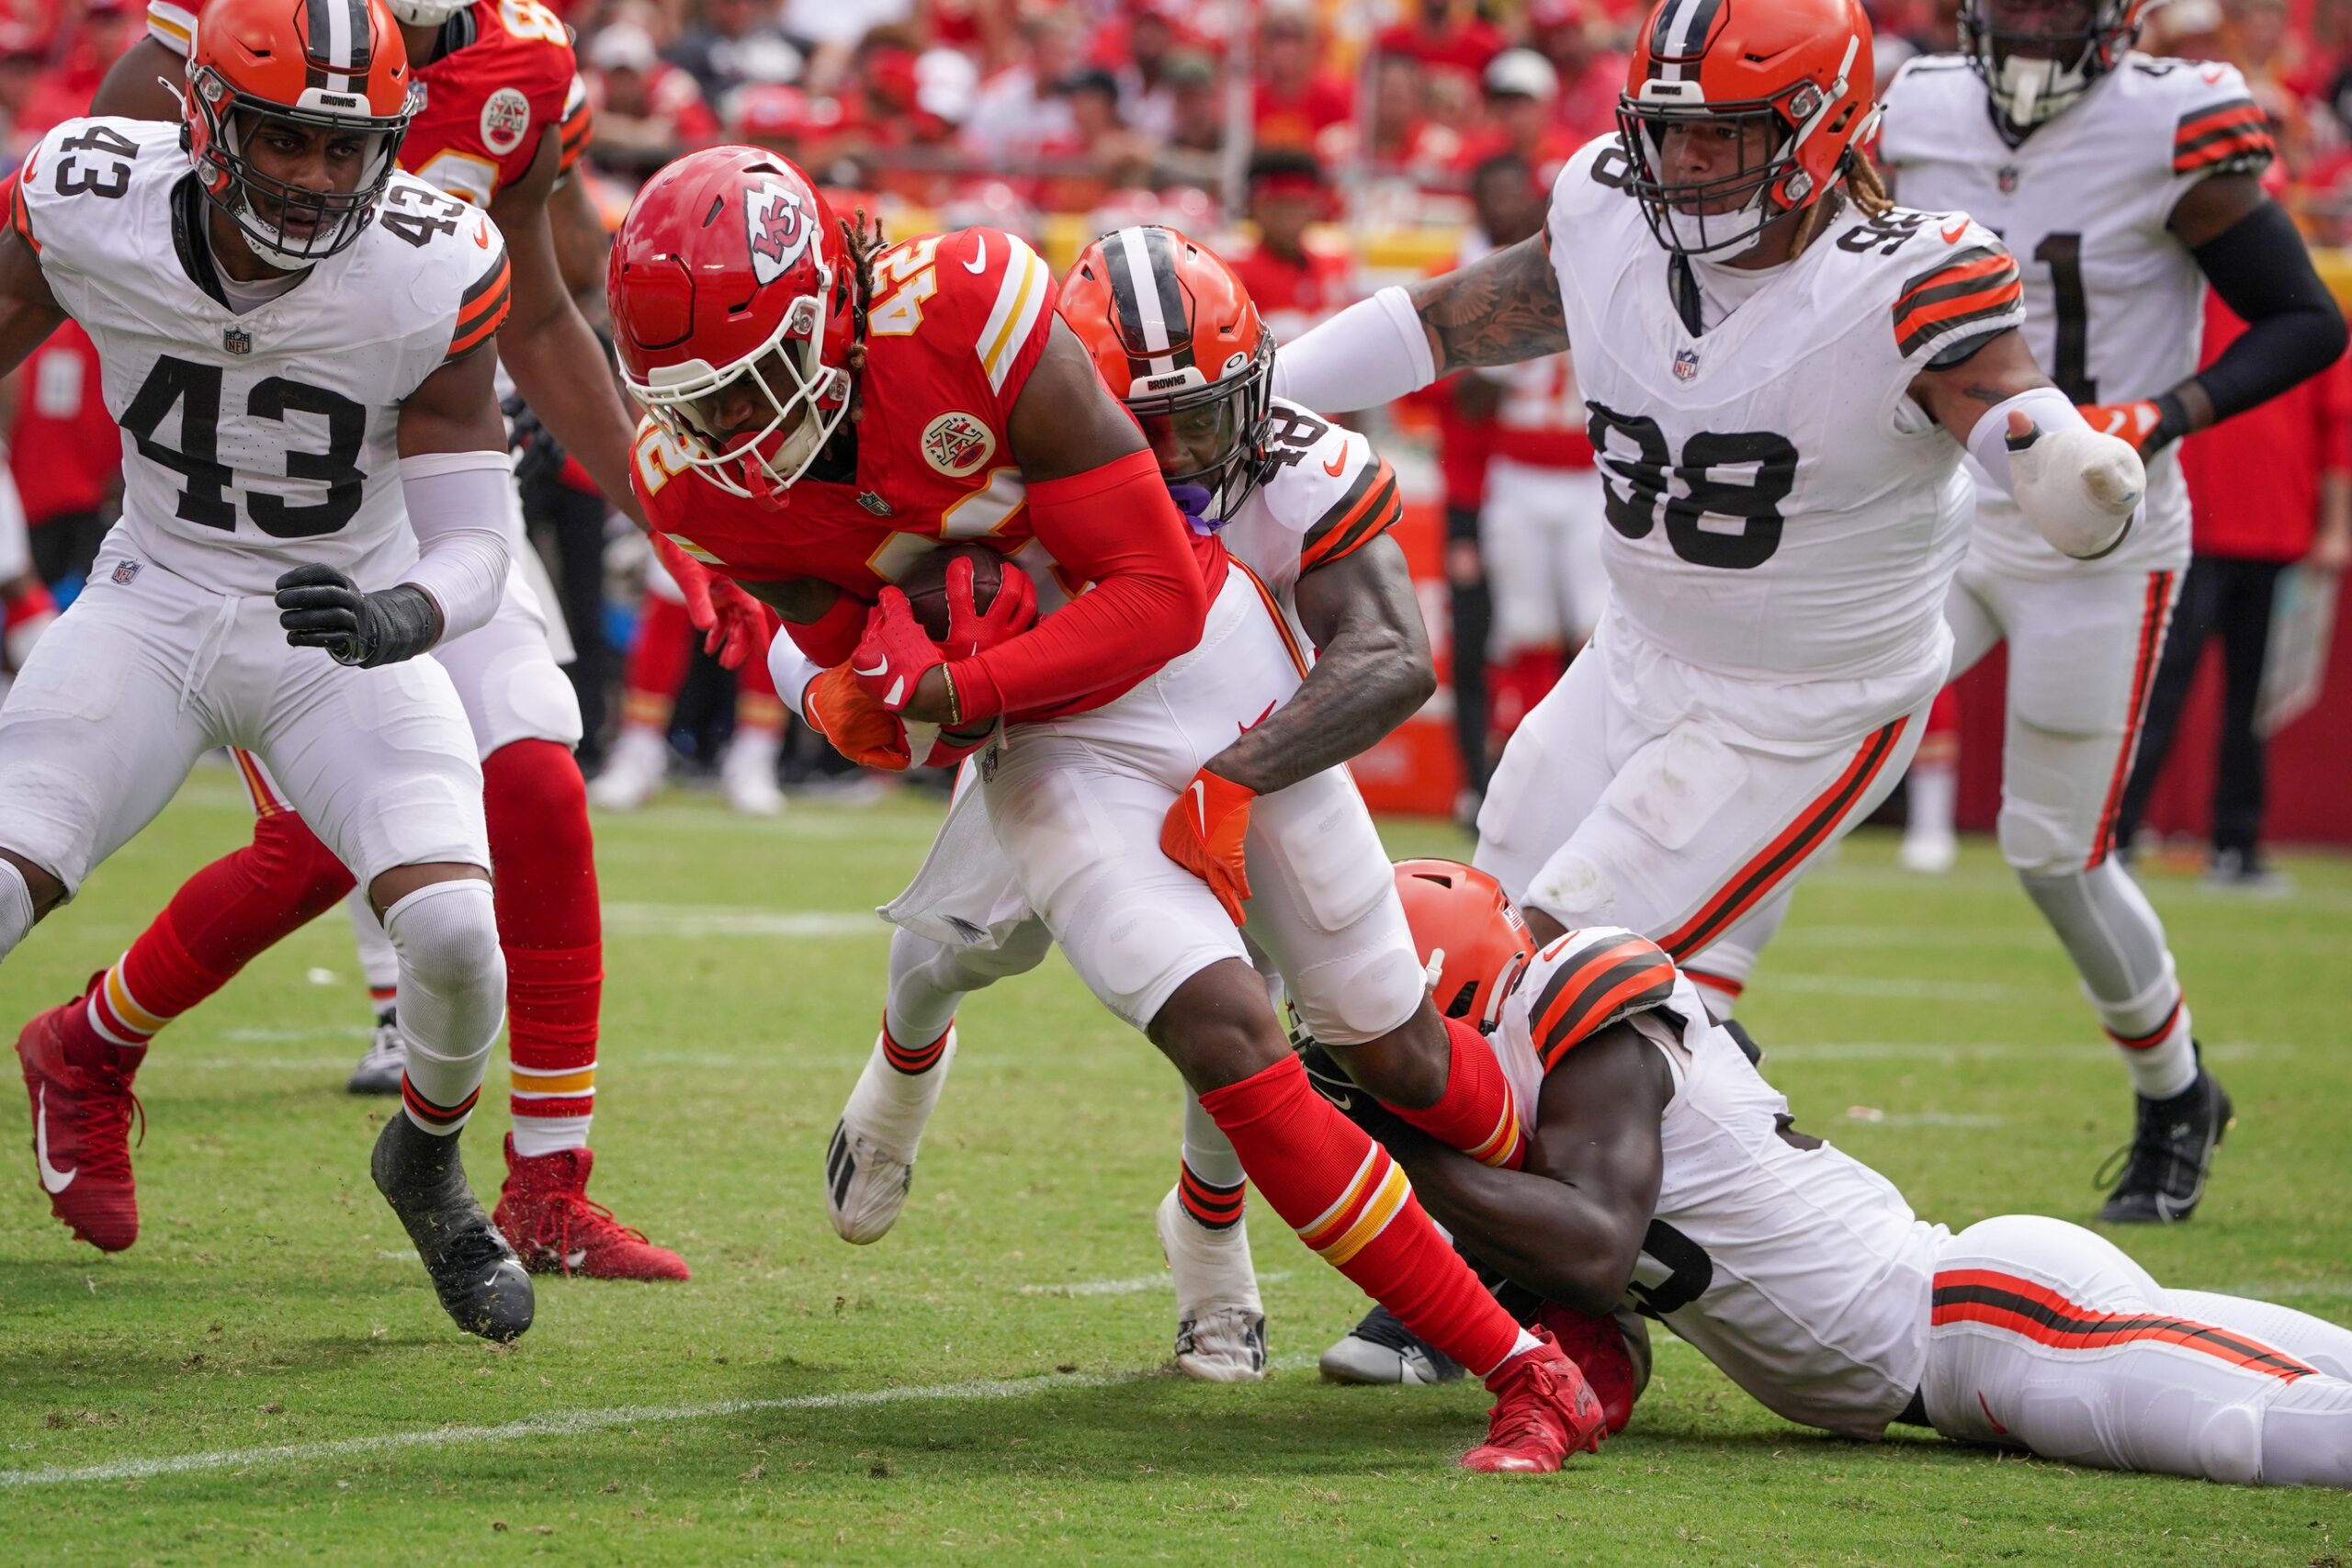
[
  {"x": 124, "y": 572},
  {"x": 1686, "y": 365},
  {"x": 2006, "y": 177},
  {"x": 873, "y": 503},
  {"x": 236, "y": 340}
]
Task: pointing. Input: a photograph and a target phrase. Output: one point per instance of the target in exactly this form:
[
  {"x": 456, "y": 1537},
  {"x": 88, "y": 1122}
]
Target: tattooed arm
[
  {"x": 1499, "y": 309},
  {"x": 1372, "y": 672},
  {"x": 1958, "y": 394}
]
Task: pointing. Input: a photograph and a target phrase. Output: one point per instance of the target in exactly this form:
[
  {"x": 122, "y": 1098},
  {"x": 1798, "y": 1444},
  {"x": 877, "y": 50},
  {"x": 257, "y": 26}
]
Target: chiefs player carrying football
[
  {"x": 502, "y": 126},
  {"x": 830, "y": 410}
]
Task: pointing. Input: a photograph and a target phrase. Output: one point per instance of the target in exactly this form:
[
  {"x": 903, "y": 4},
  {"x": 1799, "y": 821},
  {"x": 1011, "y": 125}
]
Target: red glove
[
  {"x": 2134, "y": 422},
  {"x": 737, "y": 623},
  {"x": 895, "y": 653},
  {"x": 971, "y": 630},
  {"x": 1205, "y": 833},
  {"x": 837, "y": 707}
]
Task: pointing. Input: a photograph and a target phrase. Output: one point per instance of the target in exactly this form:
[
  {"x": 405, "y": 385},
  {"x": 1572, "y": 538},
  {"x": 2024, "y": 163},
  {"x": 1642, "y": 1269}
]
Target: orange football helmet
[
  {"x": 332, "y": 66},
  {"x": 1800, "y": 68},
  {"x": 2039, "y": 56},
  {"x": 1175, "y": 336},
  {"x": 1467, "y": 928}
]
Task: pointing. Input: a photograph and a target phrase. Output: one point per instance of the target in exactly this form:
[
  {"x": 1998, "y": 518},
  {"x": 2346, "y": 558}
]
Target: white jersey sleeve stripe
[
  {"x": 173, "y": 26},
  {"x": 1019, "y": 300}
]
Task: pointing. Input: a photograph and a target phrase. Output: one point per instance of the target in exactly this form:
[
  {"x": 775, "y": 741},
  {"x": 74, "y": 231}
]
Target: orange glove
[
  {"x": 737, "y": 623},
  {"x": 1204, "y": 833},
  {"x": 2134, "y": 422},
  {"x": 837, "y": 707}
]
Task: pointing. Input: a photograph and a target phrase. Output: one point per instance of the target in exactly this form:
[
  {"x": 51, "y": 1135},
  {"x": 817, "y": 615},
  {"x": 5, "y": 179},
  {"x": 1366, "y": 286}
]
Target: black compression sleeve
[{"x": 2260, "y": 269}]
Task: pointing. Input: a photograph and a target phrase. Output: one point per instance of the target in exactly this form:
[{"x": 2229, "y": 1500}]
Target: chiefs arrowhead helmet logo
[{"x": 778, "y": 229}]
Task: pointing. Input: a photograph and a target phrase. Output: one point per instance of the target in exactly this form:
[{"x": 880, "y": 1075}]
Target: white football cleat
[
  {"x": 749, "y": 778},
  {"x": 1928, "y": 854},
  {"x": 870, "y": 1163},
  {"x": 634, "y": 771},
  {"x": 1220, "y": 1323}
]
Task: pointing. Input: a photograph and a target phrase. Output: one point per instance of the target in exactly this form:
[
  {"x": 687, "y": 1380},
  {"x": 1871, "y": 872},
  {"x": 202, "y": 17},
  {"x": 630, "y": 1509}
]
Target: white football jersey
[
  {"x": 2114, "y": 303},
  {"x": 1801, "y": 1272},
  {"x": 258, "y": 442},
  {"x": 1779, "y": 506}
]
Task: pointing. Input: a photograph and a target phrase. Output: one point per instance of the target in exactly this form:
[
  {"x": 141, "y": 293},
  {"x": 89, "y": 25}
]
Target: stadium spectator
[
  {"x": 2269, "y": 489},
  {"x": 1297, "y": 99},
  {"x": 1294, "y": 284},
  {"x": 20, "y": 62},
  {"x": 647, "y": 111},
  {"x": 66, "y": 456},
  {"x": 1591, "y": 77},
  {"x": 732, "y": 42},
  {"x": 1523, "y": 106},
  {"x": 1443, "y": 38},
  {"x": 80, "y": 55},
  {"x": 1194, "y": 153},
  {"x": 1017, "y": 110}
]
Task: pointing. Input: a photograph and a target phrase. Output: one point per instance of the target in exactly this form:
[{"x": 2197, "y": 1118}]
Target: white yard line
[
  {"x": 568, "y": 1423},
  {"x": 1890, "y": 986},
  {"x": 1163, "y": 1281},
  {"x": 700, "y": 920}
]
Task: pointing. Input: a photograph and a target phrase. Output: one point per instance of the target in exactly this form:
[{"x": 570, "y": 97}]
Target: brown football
[{"x": 925, "y": 583}]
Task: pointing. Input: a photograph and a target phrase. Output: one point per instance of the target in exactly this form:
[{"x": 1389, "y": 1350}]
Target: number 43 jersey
[
  {"x": 2114, "y": 303},
  {"x": 1779, "y": 507},
  {"x": 257, "y": 441}
]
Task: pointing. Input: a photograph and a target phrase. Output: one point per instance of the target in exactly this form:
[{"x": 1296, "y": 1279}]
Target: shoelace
[
  {"x": 2143, "y": 1162},
  {"x": 1383, "y": 1328},
  {"x": 566, "y": 1210},
  {"x": 1525, "y": 1419},
  {"x": 106, "y": 1105}
]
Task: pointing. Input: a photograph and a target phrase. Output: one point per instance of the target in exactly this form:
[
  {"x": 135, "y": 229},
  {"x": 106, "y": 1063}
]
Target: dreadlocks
[
  {"x": 1862, "y": 185},
  {"x": 862, "y": 237}
]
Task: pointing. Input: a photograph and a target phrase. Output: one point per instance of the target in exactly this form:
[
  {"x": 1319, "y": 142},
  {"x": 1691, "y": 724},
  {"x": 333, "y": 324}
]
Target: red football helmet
[
  {"x": 1801, "y": 69},
  {"x": 730, "y": 268},
  {"x": 1173, "y": 334},
  {"x": 1467, "y": 928},
  {"x": 333, "y": 66}
]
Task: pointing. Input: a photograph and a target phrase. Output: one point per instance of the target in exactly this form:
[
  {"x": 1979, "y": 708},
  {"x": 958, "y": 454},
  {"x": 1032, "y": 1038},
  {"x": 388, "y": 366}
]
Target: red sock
[
  {"x": 221, "y": 919},
  {"x": 1478, "y": 1113},
  {"x": 1349, "y": 1203},
  {"x": 657, "y": 661},
  {"x": 543, "y": 872}
]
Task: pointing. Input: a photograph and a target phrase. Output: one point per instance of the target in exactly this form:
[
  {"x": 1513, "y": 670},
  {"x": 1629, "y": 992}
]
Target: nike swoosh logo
[
  {"x": 1257, "y": 721},
  {"x": 1951, "y": 235},
  {"x": 879, "y": 669},
  {"x": 1988, "y": 1413},
  {"x": 51, "y": 1179},
  {"x": 1340, "y": 1101},
  {"x": 1199, "y": 793},
  {"x": 1337, "y": 466},
  {"x": 979, "y": 262},
  {"x": 481, "y": 235}
]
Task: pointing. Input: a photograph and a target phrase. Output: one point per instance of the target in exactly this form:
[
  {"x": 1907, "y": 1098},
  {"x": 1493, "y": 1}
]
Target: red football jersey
[
  {"x": 64, "y": 448},
  {"x": 957, "y": 323},
  {"x": 1290, "y": 299},
  {"x": 505, "y": 75}
]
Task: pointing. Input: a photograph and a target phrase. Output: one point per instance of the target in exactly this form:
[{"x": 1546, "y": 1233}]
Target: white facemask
[{"x": 2029, "y": 91}]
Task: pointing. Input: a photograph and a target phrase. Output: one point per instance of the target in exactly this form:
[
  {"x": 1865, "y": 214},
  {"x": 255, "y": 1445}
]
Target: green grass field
[{"x": 266, "y": 1371}]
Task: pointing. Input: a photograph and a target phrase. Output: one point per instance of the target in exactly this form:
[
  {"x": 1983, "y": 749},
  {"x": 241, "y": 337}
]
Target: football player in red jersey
[
  {"x": 502, "y": 126},
  {"x": 828, "y": 411}
]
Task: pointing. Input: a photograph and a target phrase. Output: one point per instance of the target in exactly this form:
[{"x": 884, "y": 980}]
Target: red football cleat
[
  {"x": 82, "y": 1132},
  {"x": 1544, "y": 1412},
  {"x": 1597, "y": 1344},
  {"x": 555, "y": 1227}
]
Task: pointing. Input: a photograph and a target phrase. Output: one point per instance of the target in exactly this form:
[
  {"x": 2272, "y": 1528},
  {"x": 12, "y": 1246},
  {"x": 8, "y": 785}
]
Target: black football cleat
[
  {"x": 482, "y": 1284},
  {"x": 1380, "y": 1350},
  {"x": 2171, "y": 1149}
]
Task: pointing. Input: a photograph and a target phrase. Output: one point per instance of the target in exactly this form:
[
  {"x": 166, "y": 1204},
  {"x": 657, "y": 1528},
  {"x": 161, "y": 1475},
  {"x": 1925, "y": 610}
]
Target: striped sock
[
  {"x": 1211, "y": 1205},
  {"x": 2160, "y": 1056},
  {"x": 1477, "y": 1113},
  {"x": 549, "y": 928},
  {"x": 439, "y": 1120},
  {"x": 914, "y": 1061},
  {"x": 1349, "y": 1201}
]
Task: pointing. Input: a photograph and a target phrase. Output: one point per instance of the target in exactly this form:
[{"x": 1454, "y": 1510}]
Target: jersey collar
[{"x": 188, "y": 242}]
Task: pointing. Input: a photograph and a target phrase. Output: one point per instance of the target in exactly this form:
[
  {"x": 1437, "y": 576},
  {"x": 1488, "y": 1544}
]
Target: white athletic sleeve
[
  {"x": 456, "y": 505},
  {"x": 1372, "y": 353}
]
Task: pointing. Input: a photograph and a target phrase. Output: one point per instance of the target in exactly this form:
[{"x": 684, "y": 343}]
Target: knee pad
[
  {"x": 2227, "y": 1446},
  {"x": 453, "y": 976},
  {"x": 525, "y": 695},
  {"x": 1361, "y": 995},
  {"x": 15, "y": 908},
  {"x": 1573, "y": 889}
]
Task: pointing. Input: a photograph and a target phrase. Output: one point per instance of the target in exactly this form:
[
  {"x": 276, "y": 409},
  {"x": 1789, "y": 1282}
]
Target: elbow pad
[
  {"x": 458, "y": 506},
  {"x": 2076, "y": 488}
]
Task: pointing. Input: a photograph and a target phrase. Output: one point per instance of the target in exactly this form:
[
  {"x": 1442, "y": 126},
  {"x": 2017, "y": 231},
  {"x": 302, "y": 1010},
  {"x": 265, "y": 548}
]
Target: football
[{"x": 925, "y": 583}]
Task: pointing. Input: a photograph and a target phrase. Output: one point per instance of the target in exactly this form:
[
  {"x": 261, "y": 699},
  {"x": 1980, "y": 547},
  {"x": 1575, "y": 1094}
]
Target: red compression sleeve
[
  {"x": 832, "y": 636},
  {"x": 1114, "y": 526}
]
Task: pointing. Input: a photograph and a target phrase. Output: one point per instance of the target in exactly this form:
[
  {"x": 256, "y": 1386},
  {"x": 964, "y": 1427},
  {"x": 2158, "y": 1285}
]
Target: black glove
[
  {"x": 320, "y": 607},
  {"x": 540, "y": 456},
  {"x": 1332, "y": 1081}
]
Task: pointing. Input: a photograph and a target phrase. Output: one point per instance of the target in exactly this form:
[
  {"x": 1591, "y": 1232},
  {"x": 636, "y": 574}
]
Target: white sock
[
  {"x": 890, "y": 1107},
  {"x": 1934, "y": 791},
  {"x": 1524, "y": 1342},
  {"x": 378, "y": 963},
  {"x": 538, "y": 1136}
]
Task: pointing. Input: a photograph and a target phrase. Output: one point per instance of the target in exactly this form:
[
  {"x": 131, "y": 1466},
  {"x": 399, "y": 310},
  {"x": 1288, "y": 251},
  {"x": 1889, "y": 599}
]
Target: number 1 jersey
[
  {"x": 1779, "y": 507},
  {"x": 253, "y": 443},
  {"x": 2114, "y": 303}
]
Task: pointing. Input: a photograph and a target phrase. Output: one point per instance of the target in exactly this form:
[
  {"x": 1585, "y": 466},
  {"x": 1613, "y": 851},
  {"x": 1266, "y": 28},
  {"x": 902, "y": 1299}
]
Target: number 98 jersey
[
  {"x": 1778, "y": 505},
  {"x": 2114, "y": 303},
  {"x": 257, "y": 441}
]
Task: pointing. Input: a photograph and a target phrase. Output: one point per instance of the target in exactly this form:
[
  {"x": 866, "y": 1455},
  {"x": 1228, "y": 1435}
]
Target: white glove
[{"x": 2078, "y": 488}]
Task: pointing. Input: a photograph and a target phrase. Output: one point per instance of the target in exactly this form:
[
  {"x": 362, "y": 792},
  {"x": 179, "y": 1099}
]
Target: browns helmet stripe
[
  {"x": 1151, "y": 307},
  {"x": 1679, "y": 34},
  {"x": 340, "y": 44}
]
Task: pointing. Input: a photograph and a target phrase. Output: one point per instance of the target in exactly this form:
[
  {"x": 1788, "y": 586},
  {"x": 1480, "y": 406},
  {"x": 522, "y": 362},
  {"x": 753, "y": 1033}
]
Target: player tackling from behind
[
  {"x": 1665, "y": 1175},
  {"x": 293, "y": 341},
  {"x": 832, "y": 411},
  {"x": 2125, "y": 184}
]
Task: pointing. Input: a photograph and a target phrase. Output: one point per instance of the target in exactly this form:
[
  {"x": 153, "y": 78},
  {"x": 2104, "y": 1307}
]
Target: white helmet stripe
[{"x": 1146, "y": 296}]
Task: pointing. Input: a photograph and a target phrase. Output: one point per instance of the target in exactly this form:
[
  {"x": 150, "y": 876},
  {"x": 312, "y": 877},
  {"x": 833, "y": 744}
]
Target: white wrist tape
[
  {"x": 457, "y": 504},
  {"x": 1372, "y": 353},
  {"x": 792, "y": 670},
  {"x": 2076, "y": 488}
]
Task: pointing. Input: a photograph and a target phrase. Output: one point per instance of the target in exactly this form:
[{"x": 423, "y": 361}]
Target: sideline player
[
  {"x": 2126, "y": 182},
  {"x": 1304, "y": 505},
  {"x": 751, "y": 324},
  {"x": 1782, "y": 369},
  {"x": 1666, "y": 1176},
  {"x": 496, "y": 131},
  {"x": 291, "y": 336}
]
